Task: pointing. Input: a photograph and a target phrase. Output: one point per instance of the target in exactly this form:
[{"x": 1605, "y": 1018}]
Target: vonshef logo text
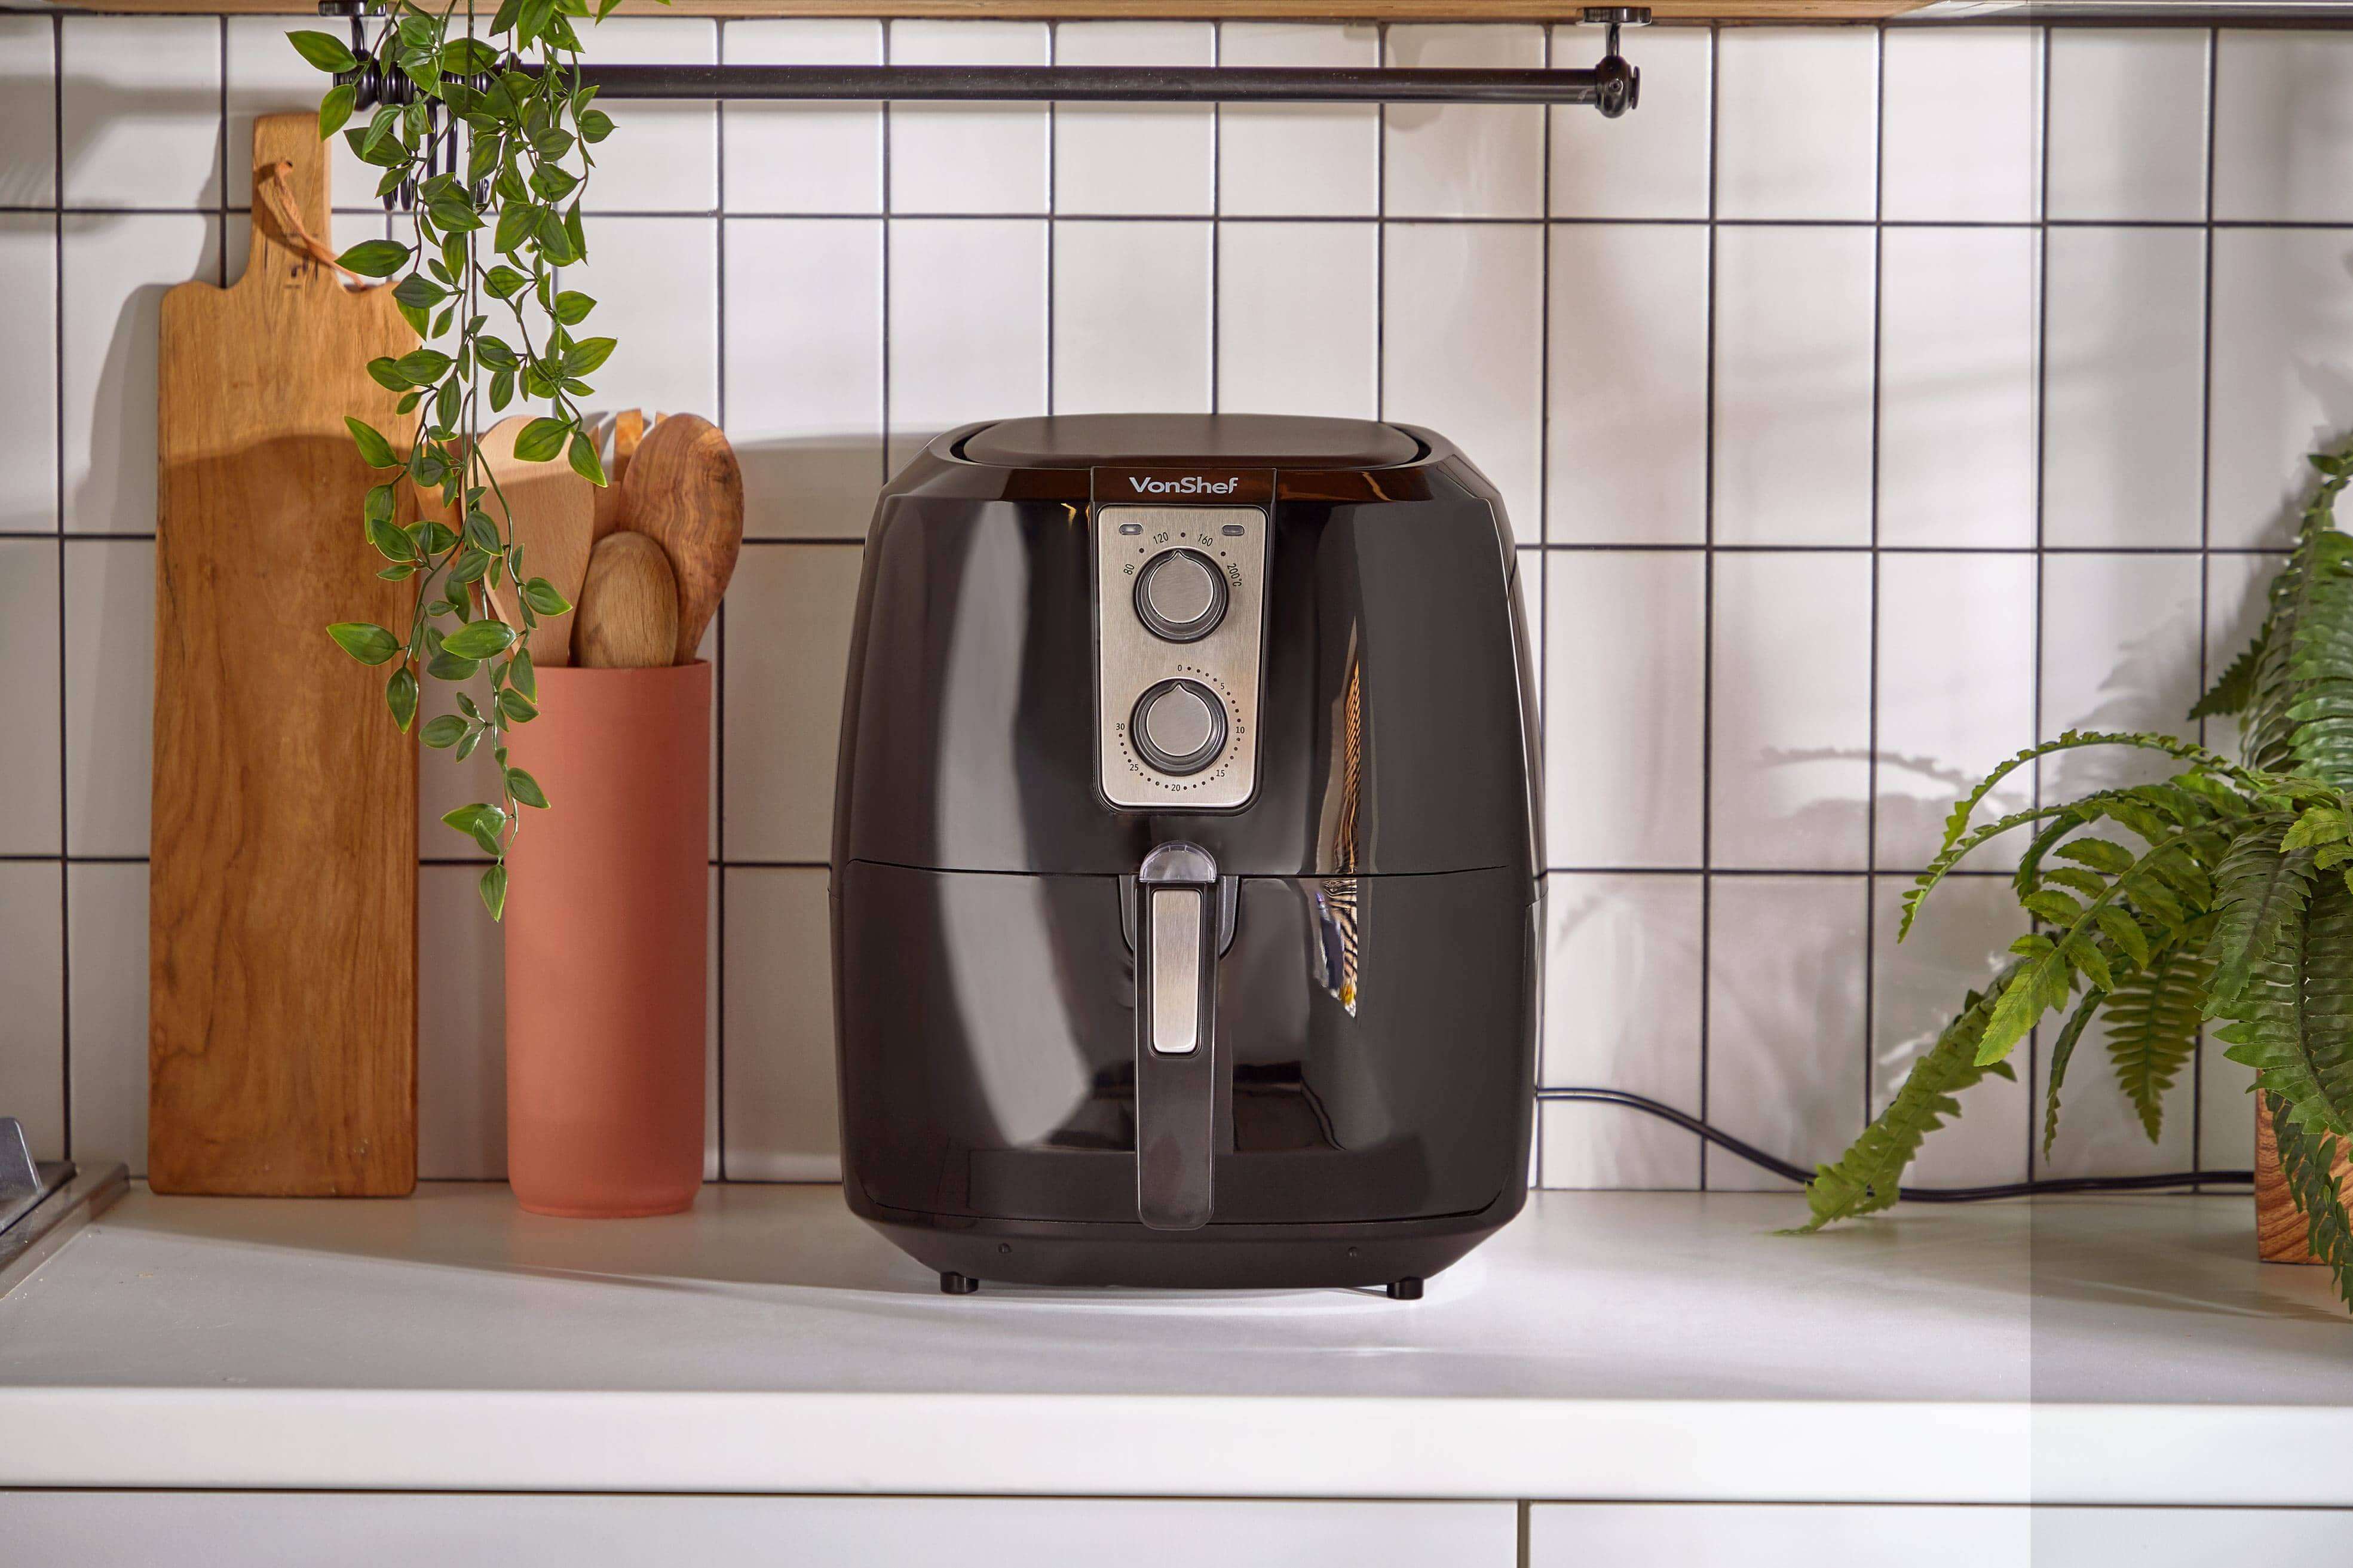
[{"x": 1190, "y": 485}]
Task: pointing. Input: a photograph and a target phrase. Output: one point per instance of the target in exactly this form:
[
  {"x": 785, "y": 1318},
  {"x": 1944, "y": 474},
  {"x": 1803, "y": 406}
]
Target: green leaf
[
  {"x": 572, "y": 307},
  {"x": 2262, "y": 890},
  {"x": 2125, "y": 931},
  {"x": 542, "y": 439},
  {"x": 583, "y": 357},
  {"x": 495, "y": 891},
  {"x": 2308, "y": 1157},
  {"x": 375, "y": 257},
  {"x": 335, "y": 109},
  {"x": 375, "y": 450},
  {"x": 423, "y": 366},
  {"x": 367, "y": 643},
  {"x": 479, "y": 639},
  {"x": 523, "y": 674},
  {"x": 2100, "y": 854},
  {"x": 400, "y": 696},
  {"x": 543, "y": 596},
  {"x": 584, "y": 459},
  {"x": 503, "y": 282},
  {"x": 391, "y": 544},
  {"x": 450, "y": 666},
  {"x": 386, "y": 372},
  {"x": 325, "y": 51},
  {"x": 2318, "y": 824},
  {"x": 481, "y": 533},
  {"x": 443, "y": 731},
  {"x": 516, "y": 706},
  {"x": 525, "y": 788},
  {"x": 421, "y": 292},
  {"x": 594, "y": 123},
  {"x": 2037, "y": 987}
]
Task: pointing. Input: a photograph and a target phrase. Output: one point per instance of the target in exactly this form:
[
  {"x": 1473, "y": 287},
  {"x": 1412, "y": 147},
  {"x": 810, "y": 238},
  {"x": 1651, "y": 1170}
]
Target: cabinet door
[
  {"x": 267, "y": 1530},
  {"x": 1778, "y": 1535}
]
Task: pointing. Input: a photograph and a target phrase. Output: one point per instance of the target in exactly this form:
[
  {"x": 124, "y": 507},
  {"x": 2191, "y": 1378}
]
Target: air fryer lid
[{"x": 1240, "y": 440}]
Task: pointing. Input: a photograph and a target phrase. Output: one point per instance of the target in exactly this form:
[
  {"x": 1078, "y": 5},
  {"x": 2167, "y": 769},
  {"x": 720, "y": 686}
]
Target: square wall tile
[
  {"x": 2282, "y": 334},
  {"x": 32, "y": 1001},
  {"x": 2120, "y": 636},
  {"x": 2225, "y": 1110},
  {"x": 1625, "y": 661},
  {"x": 656, "y": 284},
  {"x": 1789, "y": 772},
  {"x": 115, "y": 274},
  {"x": 110, "y": 693},
  {"x": 782, "y": 1104},
  {"x": 1134, "y": 158},
  {"x": 1793, "y": 397},
  {"x": 1653, "y": 161},
  {"x": 141, "y": 111},
  {"x": 968, "y": 157},
  {"x": 2283, "y": 141},
  {"x": 28, "y": 114},
  {"x": 2123, "y": 386},
  {"x": 267, "y": 77},
  {"x": 968, "y": 336},
  {"x": 1305, "y": 159},
  {"x": 1957, "y": 328},
  {"x": 802, "y": 157},
  {"x": 1959, "y": 941},
  {"x": 662, "y": 157},
  {"x": 1962, "y": 131},
  {"x": 1785, "y": 153},
  {"x": 1299, "y": 318},
  {"x": 29, "y": 698},
  {"x": 1465, "y": 160},
  {"x": 1955, "y": 696},
  {"x": 804, "y": 392},
  {"x": 28, "y": 397},
  {"x": 1130, "y": 318},
  {"x": 106, "y": 940},
  {"x": 2129, "y": 123},
  {"x": 787, "y": 654},
  {"x": 461, "y": 1026},
  {"x": 1621, "y": 1011},
  {"x": 1458, "y": 354},
  {"x": 1785, "y": 1026},
  {"x": 1628, "y": 384}
]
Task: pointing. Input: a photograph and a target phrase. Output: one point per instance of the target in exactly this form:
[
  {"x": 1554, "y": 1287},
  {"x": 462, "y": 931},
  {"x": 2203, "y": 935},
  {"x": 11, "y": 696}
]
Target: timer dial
[{"x": 1178, "y": 727}]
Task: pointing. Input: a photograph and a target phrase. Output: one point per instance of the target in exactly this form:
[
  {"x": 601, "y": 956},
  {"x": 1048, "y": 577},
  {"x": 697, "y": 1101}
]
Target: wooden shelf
[{"x": 1669, "y": 11}]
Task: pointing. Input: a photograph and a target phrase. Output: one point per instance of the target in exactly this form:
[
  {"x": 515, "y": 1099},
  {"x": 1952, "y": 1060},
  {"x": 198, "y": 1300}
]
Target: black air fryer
[{"x": 1186, "y": 904}]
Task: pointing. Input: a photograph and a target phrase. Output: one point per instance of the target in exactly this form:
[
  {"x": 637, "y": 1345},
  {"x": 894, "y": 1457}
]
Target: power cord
[{"x": 1788, "y": 1171}]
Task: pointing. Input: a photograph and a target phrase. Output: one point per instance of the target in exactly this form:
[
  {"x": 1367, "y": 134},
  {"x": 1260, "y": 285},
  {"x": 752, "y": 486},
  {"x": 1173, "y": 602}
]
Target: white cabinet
[{"x": 461, "y": 1530}]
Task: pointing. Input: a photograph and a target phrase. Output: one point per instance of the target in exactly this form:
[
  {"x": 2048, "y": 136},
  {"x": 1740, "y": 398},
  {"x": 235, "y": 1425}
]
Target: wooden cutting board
[{"x": 282, "y": 907}]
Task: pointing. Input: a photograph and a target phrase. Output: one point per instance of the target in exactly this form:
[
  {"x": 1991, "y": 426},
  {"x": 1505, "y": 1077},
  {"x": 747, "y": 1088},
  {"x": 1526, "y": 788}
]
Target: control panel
[{"x": 1179, "y": 610}]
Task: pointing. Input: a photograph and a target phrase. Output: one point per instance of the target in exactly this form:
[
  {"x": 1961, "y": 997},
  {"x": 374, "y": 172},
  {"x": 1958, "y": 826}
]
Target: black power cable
[{"x": 1789, "y": 1172}]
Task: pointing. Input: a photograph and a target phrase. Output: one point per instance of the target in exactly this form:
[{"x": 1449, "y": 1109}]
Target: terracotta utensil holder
[{"x": 605, "y": 944}]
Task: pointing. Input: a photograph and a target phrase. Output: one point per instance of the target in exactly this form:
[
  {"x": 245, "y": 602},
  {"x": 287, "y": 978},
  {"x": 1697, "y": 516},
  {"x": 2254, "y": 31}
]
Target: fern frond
[
  {"x": 2261, "y": 889},
  {"x": 2308, "y": 1160},
  {"x": 2063, "y": 1050},
  {"x": 2235, "y": 688},
  {"x": 1957, "y": 823},
  {"x": 1866, "y": 1178},
  {"x": 2292, "y": 1019},
  {"x": 2154, "y": 1017}
]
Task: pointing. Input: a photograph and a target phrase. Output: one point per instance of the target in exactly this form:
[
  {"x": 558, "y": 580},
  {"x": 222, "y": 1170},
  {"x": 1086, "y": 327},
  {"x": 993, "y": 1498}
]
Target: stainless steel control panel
[{"x": 1180, "y": 620}]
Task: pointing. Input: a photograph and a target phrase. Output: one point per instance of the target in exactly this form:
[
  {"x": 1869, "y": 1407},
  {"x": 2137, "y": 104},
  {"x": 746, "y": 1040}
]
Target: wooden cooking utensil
[
  {"x": 628, "y": 429},
  {"x": 551, "y": 510},
  {"x": 282, "y": 882},
  {"x": 685, "y": 491},
  {"x": 628, "y": 607}
]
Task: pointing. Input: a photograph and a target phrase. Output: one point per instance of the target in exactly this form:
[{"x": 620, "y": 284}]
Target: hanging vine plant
[{"x": 478, "y": 281}]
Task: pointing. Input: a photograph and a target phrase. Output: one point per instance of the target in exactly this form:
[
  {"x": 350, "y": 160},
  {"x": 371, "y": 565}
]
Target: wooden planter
[{"x": 2279, "y": 1228}]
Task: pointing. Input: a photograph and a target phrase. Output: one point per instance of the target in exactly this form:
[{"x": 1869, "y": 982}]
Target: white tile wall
[{"x": 1837, "y": 513}]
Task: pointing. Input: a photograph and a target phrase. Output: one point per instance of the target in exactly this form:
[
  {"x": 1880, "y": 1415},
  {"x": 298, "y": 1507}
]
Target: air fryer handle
[{"x": 1178, "y": 938}]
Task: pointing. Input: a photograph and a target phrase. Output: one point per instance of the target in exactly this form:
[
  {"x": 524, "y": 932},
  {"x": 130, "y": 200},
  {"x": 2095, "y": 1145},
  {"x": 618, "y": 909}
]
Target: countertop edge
[{"x": 1174, "y": 1446}]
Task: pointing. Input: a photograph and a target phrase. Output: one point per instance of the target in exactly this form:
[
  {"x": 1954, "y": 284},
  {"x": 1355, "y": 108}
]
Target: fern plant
[{"x": 2224, "y": 892}]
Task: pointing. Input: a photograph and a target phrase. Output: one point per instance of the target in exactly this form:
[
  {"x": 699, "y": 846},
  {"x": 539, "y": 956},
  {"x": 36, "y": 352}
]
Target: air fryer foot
[
  {"x": 1406, "y": 1290},
  {"x": 952, "y": 1284}
]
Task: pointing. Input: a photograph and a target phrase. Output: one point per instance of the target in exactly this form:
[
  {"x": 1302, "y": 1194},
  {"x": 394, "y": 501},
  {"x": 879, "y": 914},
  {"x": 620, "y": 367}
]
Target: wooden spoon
[
  {"x": 628, "y": 429},
  {"x": 629, "y": 605},
  {"x": 685, "y": 491},
  {"x": 552, "y": 513}
]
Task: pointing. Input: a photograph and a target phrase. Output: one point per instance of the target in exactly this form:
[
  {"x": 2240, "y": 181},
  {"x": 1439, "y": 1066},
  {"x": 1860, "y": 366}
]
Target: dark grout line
[
  {"x": 65, "y": 646},
  {"x": 2205, "y": 523},
  {"x": 1707, "y": 623},
  {"x": 1878, "y": 477}
]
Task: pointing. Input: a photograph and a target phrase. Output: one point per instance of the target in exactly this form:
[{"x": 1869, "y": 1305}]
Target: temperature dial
[
  {"x": 1181, "y": 596},
  {"x": 1178, "y": 727}
]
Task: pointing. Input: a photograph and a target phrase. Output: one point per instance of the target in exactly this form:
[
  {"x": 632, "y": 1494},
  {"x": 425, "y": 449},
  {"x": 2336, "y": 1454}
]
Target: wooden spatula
[
  {"x": 553, "y": 516},
  {"x": 628, "y": 607},
  {"x": 685, "y": 491},
  {"x": 628, "y": 429}
]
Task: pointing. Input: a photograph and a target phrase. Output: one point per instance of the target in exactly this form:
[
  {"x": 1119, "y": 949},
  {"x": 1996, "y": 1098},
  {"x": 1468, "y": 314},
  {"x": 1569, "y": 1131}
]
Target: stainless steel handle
[{"x": 1177, "y": 944}]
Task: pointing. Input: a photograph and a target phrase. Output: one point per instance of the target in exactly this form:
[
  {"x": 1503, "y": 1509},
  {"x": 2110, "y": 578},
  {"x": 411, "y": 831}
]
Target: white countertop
[{"x": 1605, "y": 1345}]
